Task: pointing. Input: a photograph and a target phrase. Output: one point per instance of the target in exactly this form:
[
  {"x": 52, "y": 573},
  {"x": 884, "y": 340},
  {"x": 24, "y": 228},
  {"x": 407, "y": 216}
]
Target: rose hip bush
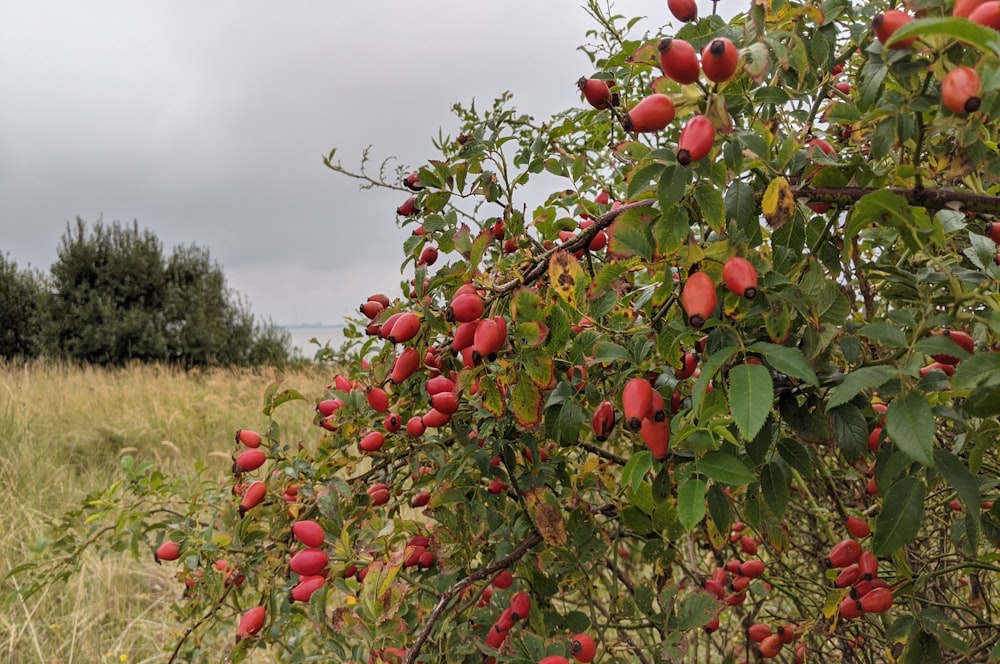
[{"x": 727, "y": 393}]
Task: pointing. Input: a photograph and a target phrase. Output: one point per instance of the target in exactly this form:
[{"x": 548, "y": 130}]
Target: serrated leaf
[
  {"x": 796, "y": 455},
  {"x": 983, "y": 401},
  {"x": 902, "y": 513},
  {"x": 884, "y": 208},
  {"x": 850, "y": 429},
  {"x": 777, "y": 319},
  {"x": 778, "y": 204},
  {"x": 538, "y": 366},
  {"x": 691, "y": 503},
  {"x": 696, "y": 610},
  {"x": 567, "y": 277},
  {"x": 672, "y": 186},
  {"x": 774, "y": 488},
  {"x": 940, "y": 344},
  {"x": 526, "y": 403},
  {"x": 865, "y": 378},
  {"x": 719, "y": 508},
  {"x": 957, "y": 27},
  {"x": 671, "y": 231},
  {"x": 711, "y": 206},
  {"x": 725, "y": 468},
  {"x": 570, "y": 420},
  {"x": 636, "y": 468},
  {"x": 888, "y": 335},
  {"x": 789, "y": 361},
  {"x": 630, "y": 234},
  {"x": 609, "y": 351},
  {"x": 526, "y": 305},
  {"x": 741, "y": 205},
  {"x": 961, "y": 479},
  {"x": 751, "y": 394},
  {"x": 909, "y": 422}
]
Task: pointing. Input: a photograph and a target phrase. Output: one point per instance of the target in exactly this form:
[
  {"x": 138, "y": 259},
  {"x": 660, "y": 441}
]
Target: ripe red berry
[
  {"x": 408, "y": 208},
  {"x": 412, "y": 182},
  {"x": 752, "y": 568},
  {"x": 553, "y": 659},
  {"x": 583, "y": 648},
  {"x": 372, "y": 442},
  {"x": 757, "y": 632},
  {"x": 887, "y": 22},
  {"x": 698, "y": 298},
  {"x": 964, "y": 341},
  {"x": 656, "y": 435},
  {"x": 309, "y": 533},
  {"x": 876, "y": 601},
  {"x": 406, "y": 363},
  {"x": 688, "y": 365},
  {"x": 253, "y": 496},
  {"x": 857, "y": 527},
  {"x": 637, "y": 399},
  {"x": 960, "y": 90},
  {"x": 251, "y": 623},
  {"x": 307, "y": 587},
  {"x": 250, "y": 460},
  {"x": 404, "y": 328},
  {"x": 308, "y": 562},
  {"x": 520, "y": 605},
  {"x": 169, "y": 550},
  {"x": 683, "y": 10},
  {"x": 740, "y": 277},
  {"x": 428, "y": 256},
  {"x": 377, "y": 399},
  {"x": 965, "y": 7},
  {"x": 651, "y": 114},
  {"x": 503, "y": 580},
  {"x": 848, "y": 576},
  {"x": 603, "y": 421},
  {"x": 466, "y": 306},
  {"x": 696, "y": 140},
  {"x": 249, "y": 438},
  {"x": 988, "y": 14},
  {"x": 770, "y": 647},
  {"x": 596, "y": 92},
  {"x": 850, "y": 608},
  {"x": 844, "y": 553},
  {"x": 719, "y": 58},
  {"x": 678, "y": 60}
]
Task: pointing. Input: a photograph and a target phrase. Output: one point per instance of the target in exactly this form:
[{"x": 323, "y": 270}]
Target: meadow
[{"x": 63, "y": 433}]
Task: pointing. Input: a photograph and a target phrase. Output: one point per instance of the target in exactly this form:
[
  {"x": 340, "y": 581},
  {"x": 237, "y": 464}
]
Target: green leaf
[
  {"x": 902, "y": 513},
  {"x": 632, "y": 234},
  {"x": 865, "y": 378},
  {"x": 725, "y": 468},
  {"x": 910, "y": 424},
  {"x": 956, "y": 27},
  {"x": 609, "y": 351},
  {"x": 787, "y": 360},
  {"x": 850, "y": 429},
  {"x": 774, "y": 483},
  {"x": 691, "y": 503},
  {"x": 526, "y": 403},
  {"x": 751, "y": 394},
  {"x": 937, "y": 344},
  {"x": 741, "y": 205},
  {"x": 719, "y": 508},
  {"x": 526, "y": 305},
  {"x": 983, "y": 401},
  {"x": 888, "y": 335},
  {"x": 979, "y": 368},
  {"x": 961, "y": 479},
  {"x": 796, "y": 455},
  {"x": 711, "y": 206},
  {"x": 636, "y": 468},
  {"x": 696, "y": 611},
  {"x": 883, "y": 208},
  {"x": 673, "y": 183},
  {"x": 672, "y": 230},
  {"x": 571, "y": 418}
]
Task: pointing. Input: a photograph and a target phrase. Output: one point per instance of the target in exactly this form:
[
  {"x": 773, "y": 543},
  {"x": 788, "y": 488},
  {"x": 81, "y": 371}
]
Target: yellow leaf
[
  {"x": 565, "y": 273},
  {"x": 778, "y": 204}
]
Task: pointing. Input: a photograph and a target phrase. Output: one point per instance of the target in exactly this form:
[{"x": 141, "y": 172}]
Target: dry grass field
[{"x": 63, "y": 431}]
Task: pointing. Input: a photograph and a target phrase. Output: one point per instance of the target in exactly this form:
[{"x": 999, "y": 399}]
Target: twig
[{"x": 462, "y": 584}]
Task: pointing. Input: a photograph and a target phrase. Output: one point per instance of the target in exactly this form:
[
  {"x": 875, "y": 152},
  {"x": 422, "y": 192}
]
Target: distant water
[{"x": 301, "y": 335}]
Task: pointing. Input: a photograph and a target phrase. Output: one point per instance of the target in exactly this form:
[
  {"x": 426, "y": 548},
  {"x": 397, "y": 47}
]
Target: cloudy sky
[{"x": 207, "y": 123}]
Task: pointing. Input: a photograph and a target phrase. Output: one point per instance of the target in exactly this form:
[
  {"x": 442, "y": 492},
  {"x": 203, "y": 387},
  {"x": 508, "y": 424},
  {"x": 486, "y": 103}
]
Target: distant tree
[
  {"x": 116, "y": 298},
  {"x": 109, "y": 294},
  {"x": 20, "y": 292}
]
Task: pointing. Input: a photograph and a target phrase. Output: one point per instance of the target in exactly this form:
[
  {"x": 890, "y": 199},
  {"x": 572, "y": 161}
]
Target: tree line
[{"x": 113, "y": 296}]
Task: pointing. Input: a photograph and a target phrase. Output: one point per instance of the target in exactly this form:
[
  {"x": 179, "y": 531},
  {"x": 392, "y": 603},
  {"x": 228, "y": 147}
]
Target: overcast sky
[{"x": 207, "y": 121}]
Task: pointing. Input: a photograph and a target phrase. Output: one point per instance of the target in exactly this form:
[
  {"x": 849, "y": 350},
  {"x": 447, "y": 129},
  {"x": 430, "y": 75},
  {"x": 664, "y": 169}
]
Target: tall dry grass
[{"x": 63, "y": 430}]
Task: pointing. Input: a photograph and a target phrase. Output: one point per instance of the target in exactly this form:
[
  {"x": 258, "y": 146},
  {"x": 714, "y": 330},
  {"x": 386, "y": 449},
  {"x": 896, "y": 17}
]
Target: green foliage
[
  {"x": 817, "y": 399},
  {"x": 115, "y": 298},
  {"x": 21, "y": 292}
]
